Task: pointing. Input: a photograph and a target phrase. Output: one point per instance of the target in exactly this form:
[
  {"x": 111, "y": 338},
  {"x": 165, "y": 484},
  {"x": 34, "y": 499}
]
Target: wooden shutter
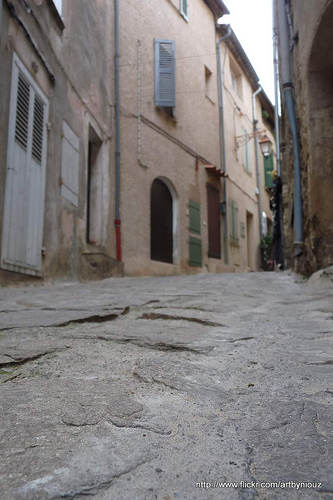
[
  {"x": 194, "y": 216},
  {"x": 195, "y": 252},
  {"x": 214, "y": 222},
  {"x": 165, "y": 86},
  {"x": 269, "y": 167},
  {"x": 22, "y": 230},
  {"x": 70, "y": 165}
]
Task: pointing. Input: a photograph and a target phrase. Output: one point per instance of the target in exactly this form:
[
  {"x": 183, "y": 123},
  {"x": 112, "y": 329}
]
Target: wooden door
[
  {"x": 214, "y": 222},
  {"x": 161, "y": 222}
]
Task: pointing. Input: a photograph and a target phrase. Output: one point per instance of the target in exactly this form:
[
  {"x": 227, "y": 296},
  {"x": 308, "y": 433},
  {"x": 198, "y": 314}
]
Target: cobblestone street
[{"x": 156, "y": 388}]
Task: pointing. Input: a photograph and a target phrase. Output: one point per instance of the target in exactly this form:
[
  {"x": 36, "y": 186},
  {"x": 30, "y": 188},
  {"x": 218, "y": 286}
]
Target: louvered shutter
[
  {"x": 22, "y": 230},
  {"x": 184, "y": 8},
  {"x": 165, "y": 86}
]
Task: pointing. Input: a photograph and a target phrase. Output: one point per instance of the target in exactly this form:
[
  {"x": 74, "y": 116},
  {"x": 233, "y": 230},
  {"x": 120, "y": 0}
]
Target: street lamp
[{"x": 265, "y": 146}]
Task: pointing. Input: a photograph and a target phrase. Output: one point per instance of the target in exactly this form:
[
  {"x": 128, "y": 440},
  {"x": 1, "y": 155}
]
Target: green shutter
[
  {"x": 195, "y": 252},
  {"x": 233, "y": 221},
  {"x": 269, "y": 167},
  {"x": 194, "y": 209},
  {"x": 165, "y": 84}
]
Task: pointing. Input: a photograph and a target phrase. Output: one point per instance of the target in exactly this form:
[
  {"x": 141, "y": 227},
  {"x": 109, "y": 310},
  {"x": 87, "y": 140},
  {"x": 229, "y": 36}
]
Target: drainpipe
[
  {"x": 220, "y": 75},
  {"x": 117, "y": 221},
  {"x": 277, "y": 124},
  {"x": 255, "y": 121},
  {"x": 287, "y": 86}
]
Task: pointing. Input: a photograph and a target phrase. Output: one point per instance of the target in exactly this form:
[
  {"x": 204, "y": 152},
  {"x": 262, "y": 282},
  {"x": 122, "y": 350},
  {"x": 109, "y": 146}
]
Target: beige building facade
[
  {"x": 58, "y": 149},
  {"x": 177, "y": 148}
]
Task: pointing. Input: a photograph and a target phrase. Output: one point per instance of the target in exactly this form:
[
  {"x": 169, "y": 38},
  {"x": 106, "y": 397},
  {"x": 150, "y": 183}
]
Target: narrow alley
[{"x": 164, "y": 388}]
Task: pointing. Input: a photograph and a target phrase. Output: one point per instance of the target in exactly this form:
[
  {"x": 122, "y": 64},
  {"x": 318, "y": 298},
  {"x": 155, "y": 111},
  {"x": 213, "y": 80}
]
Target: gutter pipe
[
  {"x": 220, "y": 75},
  {"x": 277, "y": 124},
  {"x": 255, "y": 121},
  {"x": 287, "y": 86},
  {"x": 117, "y": 221}
]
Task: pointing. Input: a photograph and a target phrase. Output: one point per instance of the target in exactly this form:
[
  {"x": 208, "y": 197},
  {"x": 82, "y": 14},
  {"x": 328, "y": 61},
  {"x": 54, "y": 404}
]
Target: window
[
  {"x": 233, "y": 81},
  {"x": 246, "y": 154},
  {"x": 70, "y": 165},
  {"x": 165, "y": 84},
  {"x": 209, "y": 84},
  {"x": 184, "y": 9},
  {"x": 58, "y": 4},
  {"x": 236, "y": 80},
  {"x": 233, "y": 221}
]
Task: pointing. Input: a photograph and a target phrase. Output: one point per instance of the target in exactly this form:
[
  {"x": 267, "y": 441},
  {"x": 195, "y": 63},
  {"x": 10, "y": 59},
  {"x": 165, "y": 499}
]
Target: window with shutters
[
  {"x": 165, "y": 84},
  {"x": 233, "y": 221},
  {"x": 70, "y": 165},
  {"x": 246, "y": 153},
  {"x": 184, "y": 9}
]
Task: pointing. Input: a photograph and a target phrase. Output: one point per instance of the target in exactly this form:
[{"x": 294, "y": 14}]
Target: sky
[{"x": 251, "y": 21}]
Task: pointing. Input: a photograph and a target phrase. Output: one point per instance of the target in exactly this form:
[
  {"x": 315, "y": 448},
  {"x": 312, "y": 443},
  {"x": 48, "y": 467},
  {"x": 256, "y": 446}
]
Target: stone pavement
[{"x": 155, "y": 388}]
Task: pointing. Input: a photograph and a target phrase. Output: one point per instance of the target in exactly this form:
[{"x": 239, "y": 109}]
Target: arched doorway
[
  {"x": 161, "y": 222},
  {"x": 320, "y": 173}
]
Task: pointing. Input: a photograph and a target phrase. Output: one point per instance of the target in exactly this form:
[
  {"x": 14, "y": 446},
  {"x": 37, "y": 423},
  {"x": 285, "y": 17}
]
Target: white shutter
[
  {"x": 22, "y": 233},
  {"x": 70, "y": 157}
]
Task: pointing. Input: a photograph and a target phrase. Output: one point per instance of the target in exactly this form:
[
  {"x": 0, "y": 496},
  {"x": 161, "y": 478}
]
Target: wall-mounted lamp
[
  {"x": 265, "y": 146},
  {"x": 241, "y": 140}
]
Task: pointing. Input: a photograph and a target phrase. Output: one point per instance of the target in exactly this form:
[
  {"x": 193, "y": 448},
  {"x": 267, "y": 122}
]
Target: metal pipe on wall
[
  {"x": 286, "y": 79},
  {"x": 255, "y": 121},
  {"x": 277, "y": 123},
  {"x": 117, "y": 221},
  {"x": 222, "y": 138}
]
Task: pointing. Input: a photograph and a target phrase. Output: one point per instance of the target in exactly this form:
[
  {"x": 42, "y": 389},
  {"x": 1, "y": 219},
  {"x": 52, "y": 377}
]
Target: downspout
[
  {"x": 277, "y": 124},
  {"x": 117, "y": 221},
  {"x": 222, "y": 139},
  {"x": 255, "y": 121},
  {"x": 286, "y": 80}
]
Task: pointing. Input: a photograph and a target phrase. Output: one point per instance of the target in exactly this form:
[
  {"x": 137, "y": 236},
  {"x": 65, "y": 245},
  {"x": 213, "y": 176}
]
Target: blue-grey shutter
[{"x": 165, "y": 85}]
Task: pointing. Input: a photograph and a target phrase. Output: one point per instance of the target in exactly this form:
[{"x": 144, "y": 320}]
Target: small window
[
  {"x": 209, "y": 91},
  {"x": 233, "y": 81},
  {"x": 246, "y": 153},
  {"x": 58, "y": 4},
  {"x": 165, "y": 83},
  {"x": 184, "y": 9},
  {"x": 236, "y": 79}
]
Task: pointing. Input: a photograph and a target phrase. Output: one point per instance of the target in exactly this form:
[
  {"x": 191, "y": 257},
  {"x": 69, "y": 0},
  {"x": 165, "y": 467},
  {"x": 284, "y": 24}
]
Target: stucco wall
[
  {"x": 312, "y": 55},
  {"x": 79, "y": 57}
]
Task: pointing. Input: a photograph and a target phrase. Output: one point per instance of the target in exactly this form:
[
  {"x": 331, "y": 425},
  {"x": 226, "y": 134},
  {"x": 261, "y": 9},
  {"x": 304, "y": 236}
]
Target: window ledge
[
  {"x": 249, "y": 172},
  {"x": 56, "y": 14}
]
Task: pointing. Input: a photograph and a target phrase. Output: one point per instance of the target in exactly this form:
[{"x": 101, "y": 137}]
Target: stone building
[
  {"x": 56, "y": 139},
  {"x": 311, "y": 54},
  {"x": 64, "y": 210}
]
